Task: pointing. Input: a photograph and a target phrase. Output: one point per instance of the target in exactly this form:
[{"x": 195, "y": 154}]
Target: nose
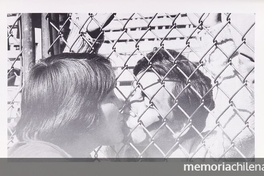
[
  {"x": 119, "y": 103},
  {"x": 136, "y": 96},
  {"x": 135, "y": 106},
  {"x": 131, "y": 113}
]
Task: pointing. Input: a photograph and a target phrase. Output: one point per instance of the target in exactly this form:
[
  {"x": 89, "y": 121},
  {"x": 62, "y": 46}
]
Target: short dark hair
[
  {"x": 191, "y": 84},
  {"x": 61, "y": 97}
]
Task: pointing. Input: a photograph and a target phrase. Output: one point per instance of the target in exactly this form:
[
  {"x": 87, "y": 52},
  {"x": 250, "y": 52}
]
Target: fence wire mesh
[
  {"x": 217, "y": 44},
  {"x": 14, "y": 73}
]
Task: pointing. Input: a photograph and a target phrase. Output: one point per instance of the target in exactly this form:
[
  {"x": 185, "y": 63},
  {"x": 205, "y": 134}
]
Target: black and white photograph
[{"x": 131, "y": 86}]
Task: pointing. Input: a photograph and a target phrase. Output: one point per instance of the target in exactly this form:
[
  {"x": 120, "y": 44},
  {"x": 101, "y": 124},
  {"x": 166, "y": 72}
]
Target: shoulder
[{"x": 36, "y": 149}]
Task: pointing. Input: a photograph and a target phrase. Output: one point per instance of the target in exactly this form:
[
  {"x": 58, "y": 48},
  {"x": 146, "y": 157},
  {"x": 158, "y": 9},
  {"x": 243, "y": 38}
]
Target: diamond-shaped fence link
[{"x": 219, "y": 46}]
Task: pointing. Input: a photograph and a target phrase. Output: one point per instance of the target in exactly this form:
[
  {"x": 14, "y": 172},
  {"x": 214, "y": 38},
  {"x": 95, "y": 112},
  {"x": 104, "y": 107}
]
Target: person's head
[
  {"x": 70, "y": 96},
  {"x": 171, "y": 93}
]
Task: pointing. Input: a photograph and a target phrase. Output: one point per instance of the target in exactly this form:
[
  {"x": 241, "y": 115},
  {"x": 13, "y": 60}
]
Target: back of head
[
  {"x": 192, "y": 88},
  {"x": 61, "y": 98}
]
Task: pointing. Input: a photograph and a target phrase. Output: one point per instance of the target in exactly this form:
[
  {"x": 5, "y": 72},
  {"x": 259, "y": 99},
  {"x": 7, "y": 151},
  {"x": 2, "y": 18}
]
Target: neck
[{"x": 188, "y": 141}]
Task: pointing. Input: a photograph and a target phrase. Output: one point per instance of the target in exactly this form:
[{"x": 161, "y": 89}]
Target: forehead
[{"x": 151, "y": 82}]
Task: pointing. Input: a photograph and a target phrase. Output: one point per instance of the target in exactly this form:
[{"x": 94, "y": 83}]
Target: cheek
[
  {"x": 110, "y": 112},
  {"x": 112, "y": 118},
  {"x": 112, "y": 125},
  {"x": 148, "y": 116},
  {"x": 161, "y": 101}
]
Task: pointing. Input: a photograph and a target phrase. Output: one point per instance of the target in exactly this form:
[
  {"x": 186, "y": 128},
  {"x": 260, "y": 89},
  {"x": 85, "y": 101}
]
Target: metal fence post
[
  {"x": 45, "y": 36},
  {"x": 55, "y": 20},
  {"x": 28, "y": 44}
]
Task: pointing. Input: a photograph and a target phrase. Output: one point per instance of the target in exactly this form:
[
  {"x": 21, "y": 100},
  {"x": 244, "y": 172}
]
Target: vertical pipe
[
  {"x": 54, "y": 33},
  {"x": 20, "y": 49},
  {"x": 28, "y": 43},
  {"x": 45, "y": 36}
]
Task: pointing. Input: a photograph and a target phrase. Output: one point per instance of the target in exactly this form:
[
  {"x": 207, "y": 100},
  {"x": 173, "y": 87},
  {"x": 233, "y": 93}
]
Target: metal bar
[
  {"x": 54, "y": 33},
  {"x": 28, "y": 44},
  {"x": 21, "y": 52},
  {"x": 45, "y": 36}
]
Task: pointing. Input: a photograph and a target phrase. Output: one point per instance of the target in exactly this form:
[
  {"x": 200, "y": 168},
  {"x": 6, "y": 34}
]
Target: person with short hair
[
  {"x": 172, "y": 101},
  {"x": 68, "y": 108}
]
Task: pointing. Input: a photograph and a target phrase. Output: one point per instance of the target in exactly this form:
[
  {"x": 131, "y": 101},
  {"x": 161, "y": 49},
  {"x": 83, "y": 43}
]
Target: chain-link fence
[
  {"x": 14, "y": 72},
  {"x": 221, "y": 46}
]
